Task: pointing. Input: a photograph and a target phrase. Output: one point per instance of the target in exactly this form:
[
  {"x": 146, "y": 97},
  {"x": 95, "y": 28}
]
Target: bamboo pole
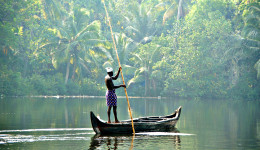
[{"x": 129, "y": 109}]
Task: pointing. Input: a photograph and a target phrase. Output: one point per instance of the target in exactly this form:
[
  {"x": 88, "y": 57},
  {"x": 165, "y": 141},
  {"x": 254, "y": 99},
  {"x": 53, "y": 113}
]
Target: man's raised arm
[{"x": 115, "y": 77}]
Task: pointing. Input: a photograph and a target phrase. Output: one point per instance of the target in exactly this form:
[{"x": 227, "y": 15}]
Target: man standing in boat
[{"x": 111, "y": 97}]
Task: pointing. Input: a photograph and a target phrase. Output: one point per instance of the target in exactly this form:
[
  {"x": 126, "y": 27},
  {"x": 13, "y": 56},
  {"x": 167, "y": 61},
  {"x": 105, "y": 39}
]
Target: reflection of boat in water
[
  {"x": 143, "y": 124},
  {"x": 98, "y": 141},
  {"x": 173, "y": 140}
]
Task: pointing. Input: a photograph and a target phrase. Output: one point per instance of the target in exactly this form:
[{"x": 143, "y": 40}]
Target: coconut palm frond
[
  {"x": 136, "y": 79},
  {"x": 257, "y": 67},
  {"x": 94, "y": 26},
  {"x": 155, "y": 54},
  {"x": 107, "y": 53},
  {"x": 108, "y": 64},
  {"x": 139, "y": 59},
  {"x": 169, "y": 12},
  {"x": 128, "y": 70}
]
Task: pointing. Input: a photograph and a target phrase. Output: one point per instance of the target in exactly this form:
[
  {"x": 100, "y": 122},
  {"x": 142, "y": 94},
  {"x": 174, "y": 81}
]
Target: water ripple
[
  {"x": 21, "y": 136},
  {"x": 163, "y": 133},
  {"x": 48, "y": 129},
  {"x": 7, "y": 139}
]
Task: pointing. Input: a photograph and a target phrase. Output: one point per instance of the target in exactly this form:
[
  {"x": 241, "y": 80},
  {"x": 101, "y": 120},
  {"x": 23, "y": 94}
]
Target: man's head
[{"x": 109, "y": 71}]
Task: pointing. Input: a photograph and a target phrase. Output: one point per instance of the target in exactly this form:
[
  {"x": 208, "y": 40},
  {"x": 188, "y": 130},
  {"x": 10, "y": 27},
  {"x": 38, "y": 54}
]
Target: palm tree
[
  {"x": 178, "y": 8},
  {"x": 74, "y": 38},
  {"x": 140, "y": 23},
  {"x": 144, "y": 71},
  {"x": 245, "y": 46},
  {"x": 251, "y": 31},
  {"x": 52, "y": 10},
  {"x": 125, "y": 46}
]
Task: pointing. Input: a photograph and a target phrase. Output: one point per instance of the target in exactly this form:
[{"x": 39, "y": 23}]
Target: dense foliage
[{"x": 182, "y": 48}]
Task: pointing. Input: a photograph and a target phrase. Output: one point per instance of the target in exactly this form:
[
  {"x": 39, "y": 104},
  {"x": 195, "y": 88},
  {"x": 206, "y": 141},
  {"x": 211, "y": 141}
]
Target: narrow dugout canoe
[{"x": 143, "y": 124}]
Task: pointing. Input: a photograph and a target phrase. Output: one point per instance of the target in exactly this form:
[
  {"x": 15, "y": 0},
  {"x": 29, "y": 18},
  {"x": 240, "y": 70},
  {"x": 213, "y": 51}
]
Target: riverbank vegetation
[{"x": 182, "y": 48}]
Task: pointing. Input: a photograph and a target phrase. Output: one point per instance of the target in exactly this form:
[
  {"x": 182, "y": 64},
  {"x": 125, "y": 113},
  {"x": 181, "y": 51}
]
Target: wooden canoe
[{"x": 143, "y": 124}]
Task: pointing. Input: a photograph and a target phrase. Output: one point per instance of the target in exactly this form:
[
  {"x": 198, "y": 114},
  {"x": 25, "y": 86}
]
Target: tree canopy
[{"x": 181, "y": 48}]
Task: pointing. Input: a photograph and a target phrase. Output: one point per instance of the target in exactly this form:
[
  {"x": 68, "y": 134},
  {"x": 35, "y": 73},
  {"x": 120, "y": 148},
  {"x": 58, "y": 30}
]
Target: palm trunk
[
  {"x": 147, "y": 85},
  {"x": 234, "y": 72},
  {"x": 74, "y": 71},
  {"x": 67, "y": 72},
  {"x": 180, "y": 11},
  {"x": 145, "y": 78},
  {"x": 25, "y": 66},
  {"x": 154, "y": 87}
]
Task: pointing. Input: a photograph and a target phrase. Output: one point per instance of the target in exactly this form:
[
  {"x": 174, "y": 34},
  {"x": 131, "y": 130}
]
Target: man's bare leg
[
  {"x": 115, "y": 114},
  {"x": 108, "y": 114}
]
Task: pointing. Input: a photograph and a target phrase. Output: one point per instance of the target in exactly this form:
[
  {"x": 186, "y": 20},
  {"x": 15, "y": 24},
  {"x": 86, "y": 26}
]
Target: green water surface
[{"x": 64, "y": 123}]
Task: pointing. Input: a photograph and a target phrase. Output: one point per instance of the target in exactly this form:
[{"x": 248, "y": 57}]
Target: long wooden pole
[{"x": 129, "y": 109}]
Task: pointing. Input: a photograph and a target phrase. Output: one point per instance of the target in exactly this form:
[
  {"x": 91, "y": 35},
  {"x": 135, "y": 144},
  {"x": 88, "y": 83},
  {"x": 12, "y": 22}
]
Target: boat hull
[{"x": 144, "y": 124}]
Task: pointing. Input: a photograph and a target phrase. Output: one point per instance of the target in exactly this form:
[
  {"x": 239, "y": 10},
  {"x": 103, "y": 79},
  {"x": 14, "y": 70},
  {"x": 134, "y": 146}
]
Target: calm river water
[{"x": 50, "y": 123}]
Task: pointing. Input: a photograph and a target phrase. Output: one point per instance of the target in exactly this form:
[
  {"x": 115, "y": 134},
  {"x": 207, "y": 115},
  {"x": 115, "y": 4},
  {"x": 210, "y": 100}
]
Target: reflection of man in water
[
  {"x": 111, "y": 95},
  {"x": 97, "y": 141}
]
